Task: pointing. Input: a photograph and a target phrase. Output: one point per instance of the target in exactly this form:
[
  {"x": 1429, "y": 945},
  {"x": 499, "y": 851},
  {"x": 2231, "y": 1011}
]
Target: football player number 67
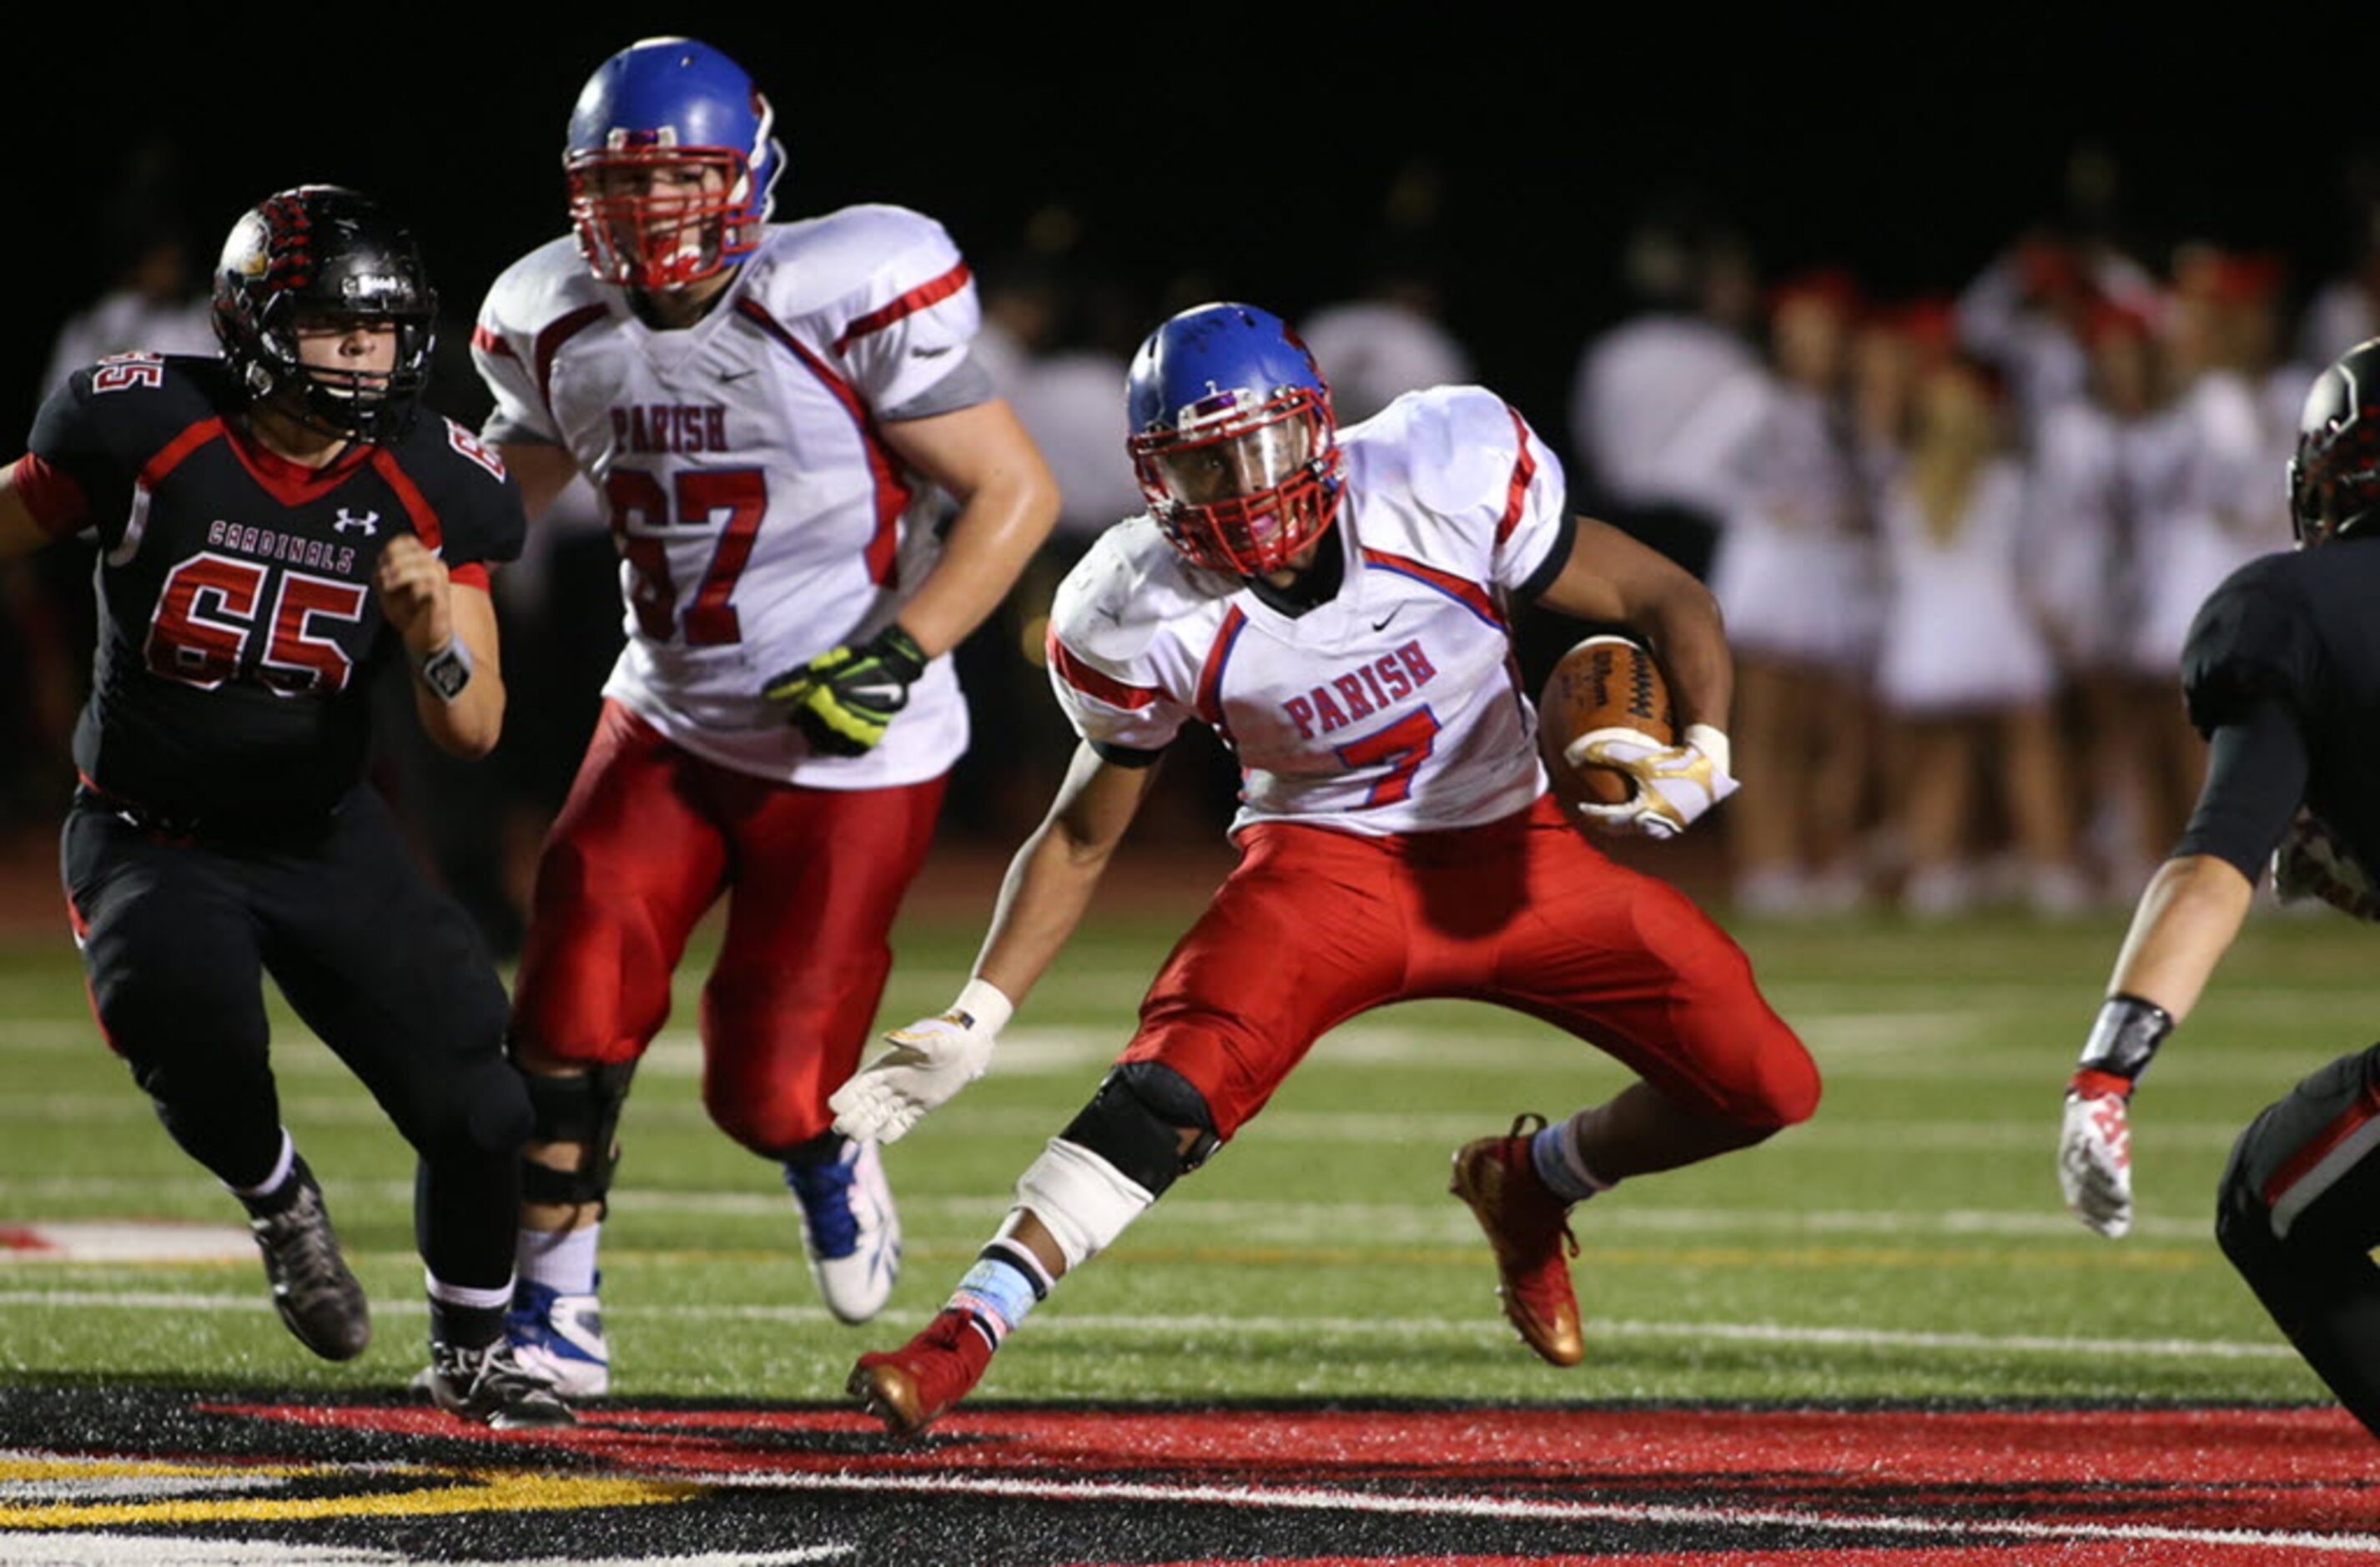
[{"x": 741, "y": 492}]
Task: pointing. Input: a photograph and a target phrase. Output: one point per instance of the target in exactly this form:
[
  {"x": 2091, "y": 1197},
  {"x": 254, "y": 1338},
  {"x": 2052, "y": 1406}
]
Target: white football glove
[
  {"x": 2311, "y": 863},
  {"x": 2094, "y": 1160},
  {"x": 930, "y": 1060},
  {"x": 1674, "y": 783}
]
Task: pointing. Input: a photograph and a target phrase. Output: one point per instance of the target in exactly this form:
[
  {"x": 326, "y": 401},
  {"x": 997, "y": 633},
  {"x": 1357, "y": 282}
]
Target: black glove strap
[
  {"x": 2126, "y": 1036},
  {"x": 900, "y": 653}
]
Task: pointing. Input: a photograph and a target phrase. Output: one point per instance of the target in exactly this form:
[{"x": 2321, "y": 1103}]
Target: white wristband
[
  {"x": 1711, "y": 743},
  {"x": 983, "y": 1007}
]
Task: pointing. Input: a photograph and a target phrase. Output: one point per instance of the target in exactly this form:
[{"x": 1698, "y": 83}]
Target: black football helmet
[
  {"x": 324, "y": 251},
  {"x": 2334, "y": 477}
]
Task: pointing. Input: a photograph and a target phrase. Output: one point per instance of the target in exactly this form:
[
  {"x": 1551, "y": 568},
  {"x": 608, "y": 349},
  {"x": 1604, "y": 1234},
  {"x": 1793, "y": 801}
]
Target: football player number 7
[
  {"x": 1403, "y": 746},
  {"x": 741, "y": 492}
]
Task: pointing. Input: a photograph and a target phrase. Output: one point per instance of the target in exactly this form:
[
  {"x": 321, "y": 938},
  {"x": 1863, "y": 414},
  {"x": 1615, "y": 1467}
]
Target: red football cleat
[
  {"x": 911, "y": 1387},
  {"x": 1528, "y": 1227}
]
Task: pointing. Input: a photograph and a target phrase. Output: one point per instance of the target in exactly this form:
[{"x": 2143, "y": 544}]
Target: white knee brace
[{"x": 1081, "y": 1200}]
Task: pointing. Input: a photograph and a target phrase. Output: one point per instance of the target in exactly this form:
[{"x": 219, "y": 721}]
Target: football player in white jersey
[
  {"x": 1336, "y": 607},
  {"x": 778, "y": 416}
]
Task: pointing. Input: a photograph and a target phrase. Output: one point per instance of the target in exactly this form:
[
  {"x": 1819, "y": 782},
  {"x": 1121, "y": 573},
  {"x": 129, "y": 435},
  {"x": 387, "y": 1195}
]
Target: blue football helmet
[
  {"x": 1232, "y": 437},
  {"x": 672, "y": 160}
]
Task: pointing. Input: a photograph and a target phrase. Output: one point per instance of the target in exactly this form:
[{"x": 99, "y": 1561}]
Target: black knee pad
[
  {"x": 582, "y": 1108},
  {"x": 1135, "y": 1122}
]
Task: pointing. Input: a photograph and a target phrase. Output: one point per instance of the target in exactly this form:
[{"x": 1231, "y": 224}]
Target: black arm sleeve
[
  {"x": 2256, "y": 770},
  {"x": 1127, "y": 756},
  {"x": 1552, "y": 566}
]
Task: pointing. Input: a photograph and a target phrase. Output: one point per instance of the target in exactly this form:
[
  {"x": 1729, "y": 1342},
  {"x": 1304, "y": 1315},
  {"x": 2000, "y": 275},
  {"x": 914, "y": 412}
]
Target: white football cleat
[
  {"x": 849, "y": 1229},
  {"x": 559, "y": 1339}
]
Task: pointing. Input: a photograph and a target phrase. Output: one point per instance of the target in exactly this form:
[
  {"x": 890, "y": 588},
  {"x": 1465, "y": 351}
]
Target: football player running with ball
[
  {"x": 276, "y": 526},
  {"x": 2281, "y": 673},
  {"x": 774, "y": 415},
  {"x": 1336, "y": 607}
]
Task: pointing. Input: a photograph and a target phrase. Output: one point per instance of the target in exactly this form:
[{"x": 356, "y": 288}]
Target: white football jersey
[
  {"x": 760, "y": 516},
  {"x": 1394, "y": 707}
]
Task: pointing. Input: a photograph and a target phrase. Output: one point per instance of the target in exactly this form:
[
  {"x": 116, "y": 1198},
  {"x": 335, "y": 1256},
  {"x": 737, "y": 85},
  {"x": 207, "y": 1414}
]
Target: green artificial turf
[{"x": 1908, "y": 1242}]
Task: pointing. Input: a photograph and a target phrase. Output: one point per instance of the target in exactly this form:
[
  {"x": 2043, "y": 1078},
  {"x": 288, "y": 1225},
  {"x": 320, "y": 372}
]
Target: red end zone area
[{"x": 1046, "y": 1485}]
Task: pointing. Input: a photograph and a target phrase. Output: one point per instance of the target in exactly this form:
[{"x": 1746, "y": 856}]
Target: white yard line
[
  {"x": 1430, "y": 1217},
  {"x": 1155, "y": 1326}
]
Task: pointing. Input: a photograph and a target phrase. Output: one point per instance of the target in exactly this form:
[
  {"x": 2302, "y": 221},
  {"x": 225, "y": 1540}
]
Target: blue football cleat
[{"x": 849, "y": 1229}]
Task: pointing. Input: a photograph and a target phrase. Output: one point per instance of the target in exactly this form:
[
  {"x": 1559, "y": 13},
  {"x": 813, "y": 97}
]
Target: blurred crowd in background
[{"x": 1958, "y": 535}]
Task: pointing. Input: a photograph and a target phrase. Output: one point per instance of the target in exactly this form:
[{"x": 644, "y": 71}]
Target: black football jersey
[
  {"x": 238, "y": 628},
  {"x": 2302, "y": 629}
]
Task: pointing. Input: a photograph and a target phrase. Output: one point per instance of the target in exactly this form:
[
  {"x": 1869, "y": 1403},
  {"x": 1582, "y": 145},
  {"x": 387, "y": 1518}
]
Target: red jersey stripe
[
  {"x": 1470, "y": 595},
  {"x": 1095, "y": 684},
  {"x": 920, "y": 298},
  {"x": 1211, "y": 674},
  {"x": 1525, "y": 470},
  {"x": 417, "y": 505},
  {"x": 2319, "y": 1147},
  {"x": 470, "y": 574},
  {"x": 893, "y": 492}
]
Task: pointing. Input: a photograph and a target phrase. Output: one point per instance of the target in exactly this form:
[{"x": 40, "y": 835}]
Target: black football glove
[{"x": 845, "y": 699}]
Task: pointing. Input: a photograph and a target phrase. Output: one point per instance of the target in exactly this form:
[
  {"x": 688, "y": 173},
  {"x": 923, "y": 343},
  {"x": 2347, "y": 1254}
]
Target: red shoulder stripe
[
  {"x": 909, "y": 304},
  {"x": 1097, "y": 684},
  {"x": 169, "y": 456},
  {"x": 550, "y": 342}
]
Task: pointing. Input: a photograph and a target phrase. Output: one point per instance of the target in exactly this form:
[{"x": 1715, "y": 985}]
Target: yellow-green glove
[{"x": 845, "y": 699}]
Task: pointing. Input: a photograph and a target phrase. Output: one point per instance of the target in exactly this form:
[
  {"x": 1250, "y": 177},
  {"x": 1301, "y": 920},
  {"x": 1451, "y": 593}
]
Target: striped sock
[
  {"x": 1001, "y": 1289},
  {"x": 1554, "y": 1154}
]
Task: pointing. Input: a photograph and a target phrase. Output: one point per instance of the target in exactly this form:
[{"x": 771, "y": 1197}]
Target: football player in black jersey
[
  {"x": 275, "y": 526},
  {"x": 2282, "y": 674}
]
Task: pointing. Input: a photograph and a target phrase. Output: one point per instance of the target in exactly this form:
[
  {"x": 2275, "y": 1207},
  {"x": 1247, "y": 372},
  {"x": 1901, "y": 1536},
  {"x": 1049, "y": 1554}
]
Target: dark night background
[{"x": 1252, "y": 148}]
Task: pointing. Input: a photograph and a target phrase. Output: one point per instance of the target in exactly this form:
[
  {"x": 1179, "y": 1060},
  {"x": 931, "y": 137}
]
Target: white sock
[{"x": 563, "y": 1260}]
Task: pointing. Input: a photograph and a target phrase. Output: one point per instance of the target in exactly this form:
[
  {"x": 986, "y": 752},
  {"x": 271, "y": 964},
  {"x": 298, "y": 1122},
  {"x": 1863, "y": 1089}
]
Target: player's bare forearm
[
  {"x": 2187, "y": 918},
  {"x": 1051, "y": 881},
  {"x": 471, "y": 726},
  {"x": 1008, "y": 504},
  {"x": 1611, "y": 577},
  {"x": 20, "y": 533}
]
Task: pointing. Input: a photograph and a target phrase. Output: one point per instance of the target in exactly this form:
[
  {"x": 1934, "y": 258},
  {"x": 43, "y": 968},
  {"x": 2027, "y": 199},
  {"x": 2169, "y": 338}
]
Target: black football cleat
[
  {"x": 488, "y": 1386},
  {"x": 311, "y": 1287}
]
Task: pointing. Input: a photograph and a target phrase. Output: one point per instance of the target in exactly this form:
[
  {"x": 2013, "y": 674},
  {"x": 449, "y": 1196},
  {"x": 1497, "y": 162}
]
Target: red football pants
[
  {"x": 1315, "y": 926},
  {"x": 649, "y": 839}
]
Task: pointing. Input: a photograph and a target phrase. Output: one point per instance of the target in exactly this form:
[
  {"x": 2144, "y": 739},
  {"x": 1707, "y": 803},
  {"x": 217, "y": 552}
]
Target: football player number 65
[{"x": 741, "y": 492}]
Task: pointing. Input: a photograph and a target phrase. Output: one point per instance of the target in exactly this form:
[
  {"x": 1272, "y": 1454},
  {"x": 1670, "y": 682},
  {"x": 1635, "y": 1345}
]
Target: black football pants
[
  {"x": 175, "y": 936},
  {"x": 2299, "y": 1212}
]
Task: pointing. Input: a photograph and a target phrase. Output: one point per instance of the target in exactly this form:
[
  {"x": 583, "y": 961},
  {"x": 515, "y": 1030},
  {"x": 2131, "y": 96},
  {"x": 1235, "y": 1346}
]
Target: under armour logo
[{"x": 368, "y": 522}]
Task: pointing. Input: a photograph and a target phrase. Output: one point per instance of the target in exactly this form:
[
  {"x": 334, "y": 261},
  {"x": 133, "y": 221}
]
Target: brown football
[{"x": 1604, "y": 683}]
